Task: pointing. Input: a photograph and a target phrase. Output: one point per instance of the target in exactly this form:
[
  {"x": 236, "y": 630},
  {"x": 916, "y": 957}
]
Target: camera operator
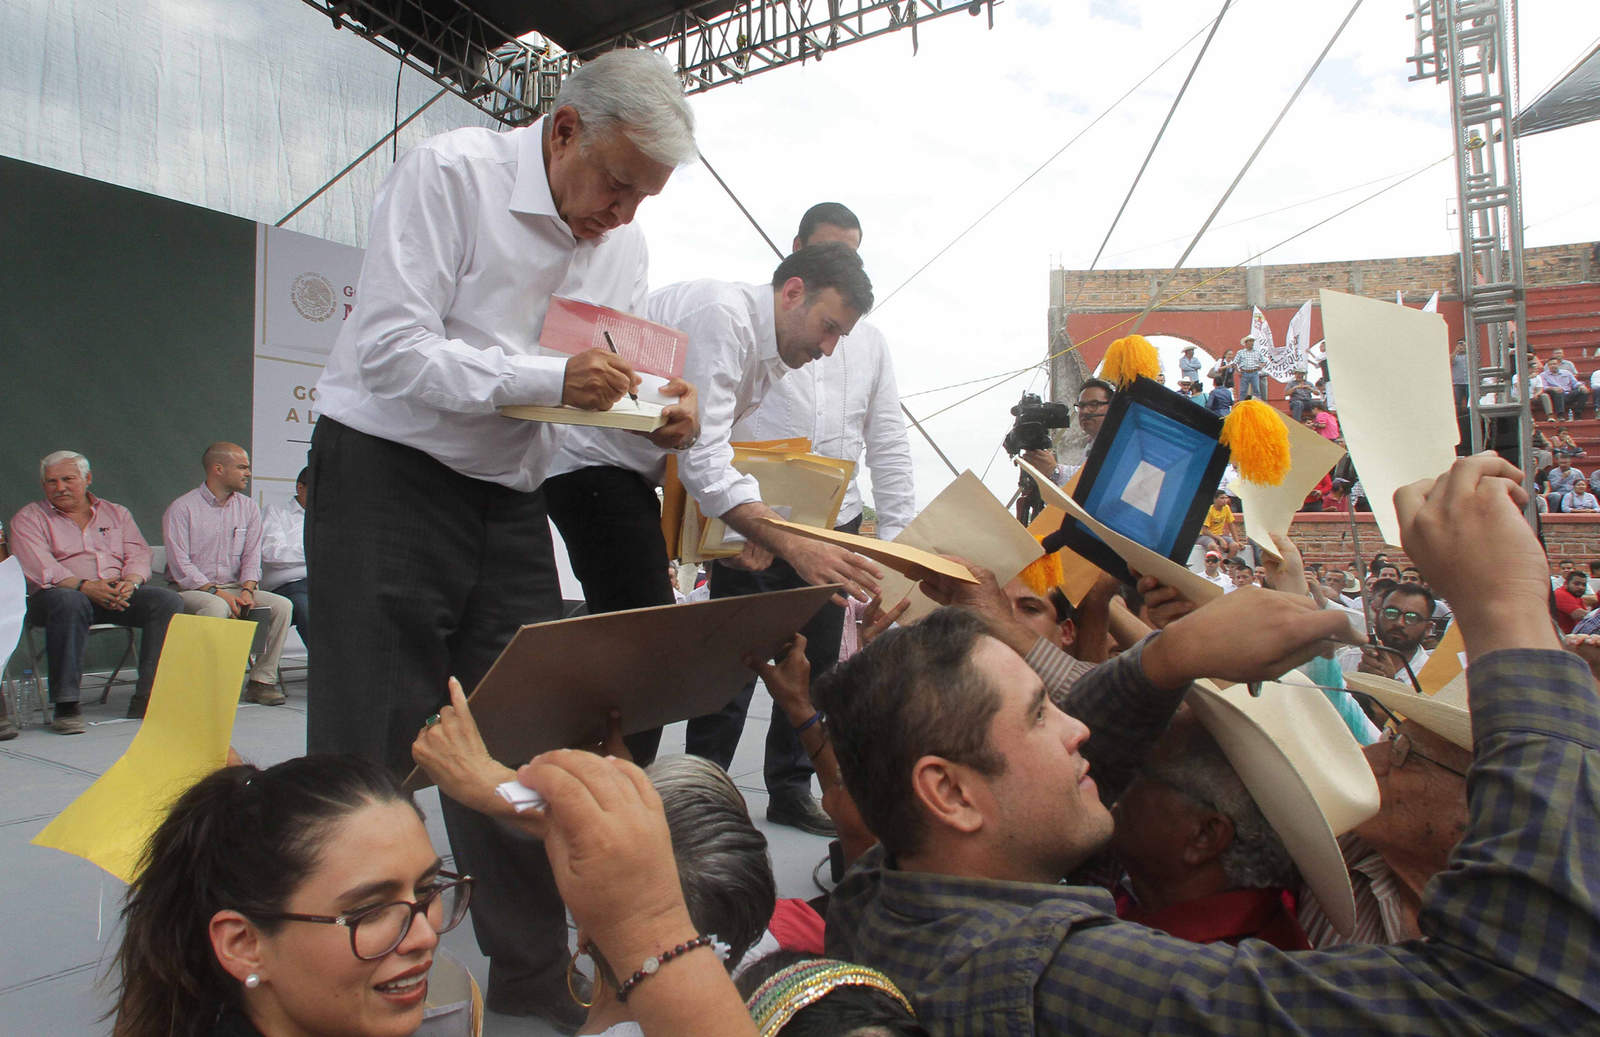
[
  {"x": 1030, "y": 436},
  {"x": 1094, "y": 399}
]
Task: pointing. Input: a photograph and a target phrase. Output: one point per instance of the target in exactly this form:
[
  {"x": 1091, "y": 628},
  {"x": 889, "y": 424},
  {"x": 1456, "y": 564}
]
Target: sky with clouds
[
  {"x": 921, "y": 146},
  {"x": 254, "y": 105}
]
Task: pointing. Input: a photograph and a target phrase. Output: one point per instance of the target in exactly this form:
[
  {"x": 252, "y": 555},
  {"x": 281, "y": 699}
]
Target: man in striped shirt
[{"x": 980, "y": 792}]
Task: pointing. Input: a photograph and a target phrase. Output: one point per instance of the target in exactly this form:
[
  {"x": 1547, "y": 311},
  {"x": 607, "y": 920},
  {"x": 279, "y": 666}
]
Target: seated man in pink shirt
[
  {"x": 213, "y": 536},
  {"x": 86, "y": 563}
]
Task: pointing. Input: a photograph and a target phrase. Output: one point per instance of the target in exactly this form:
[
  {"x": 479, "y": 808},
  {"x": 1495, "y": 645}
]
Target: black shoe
[
  {"x": 136, "y": 707},
  {"x": 558, "y": 1009},
  {"x": 800, "y": 810}
]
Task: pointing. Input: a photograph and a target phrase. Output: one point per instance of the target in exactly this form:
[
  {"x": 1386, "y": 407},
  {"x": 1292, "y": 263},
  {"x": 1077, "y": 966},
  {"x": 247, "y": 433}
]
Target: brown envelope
[{"x": 555, "y": 682}]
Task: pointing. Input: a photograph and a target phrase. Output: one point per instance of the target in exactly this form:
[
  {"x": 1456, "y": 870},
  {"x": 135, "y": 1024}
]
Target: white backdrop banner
[{"x": 305, "y": 288}]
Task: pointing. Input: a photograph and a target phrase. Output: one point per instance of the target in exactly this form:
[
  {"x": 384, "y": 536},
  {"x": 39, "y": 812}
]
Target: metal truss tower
[
  {"x": 1466, "y": 43},
  {"x": 514, "y": 81}
]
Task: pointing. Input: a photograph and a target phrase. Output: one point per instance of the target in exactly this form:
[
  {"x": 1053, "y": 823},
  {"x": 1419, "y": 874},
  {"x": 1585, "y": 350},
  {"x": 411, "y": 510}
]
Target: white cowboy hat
[
  {"x": 1247, "y": 340},
  {"x": 1300, "y": 764},
  {"x": 1445, "y": 714}
]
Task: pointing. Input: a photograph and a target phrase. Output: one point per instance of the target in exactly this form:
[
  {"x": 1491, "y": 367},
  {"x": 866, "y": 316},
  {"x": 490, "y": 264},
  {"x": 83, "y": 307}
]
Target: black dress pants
[
  {"x": 715, "y": 736},
  {"x": 66, "y": 615},
  {"x": 420, "y": 573},
  {"x": 610, "y": 519}
]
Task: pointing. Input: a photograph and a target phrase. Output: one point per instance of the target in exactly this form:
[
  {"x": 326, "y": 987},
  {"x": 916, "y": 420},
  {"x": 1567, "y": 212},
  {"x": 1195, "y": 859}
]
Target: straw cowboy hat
[
  {"x": 1296, "y": 757},
  {"x": 1247, "y": 340},
  {"x": 1445, "y": 714}
]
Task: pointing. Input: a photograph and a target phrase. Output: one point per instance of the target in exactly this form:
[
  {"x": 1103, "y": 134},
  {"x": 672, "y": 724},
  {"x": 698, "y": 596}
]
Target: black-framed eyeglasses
[
  {"x": 378, "y": 930},
  {"x": 1091, "y": 405},
  {"x": 1391, "y": 613}
]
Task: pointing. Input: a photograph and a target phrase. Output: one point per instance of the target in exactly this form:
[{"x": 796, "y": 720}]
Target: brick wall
[
  {"x": 1325, "y": 537},
  {"x": 1291, "y": 284}
]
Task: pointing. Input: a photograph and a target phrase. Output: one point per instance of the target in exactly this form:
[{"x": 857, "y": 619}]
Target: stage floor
[{"x": 62, "y": 912}]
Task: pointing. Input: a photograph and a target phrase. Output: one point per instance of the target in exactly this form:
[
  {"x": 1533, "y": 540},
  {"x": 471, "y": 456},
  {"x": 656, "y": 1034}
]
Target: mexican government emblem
[{"x": 312, "y": 295}]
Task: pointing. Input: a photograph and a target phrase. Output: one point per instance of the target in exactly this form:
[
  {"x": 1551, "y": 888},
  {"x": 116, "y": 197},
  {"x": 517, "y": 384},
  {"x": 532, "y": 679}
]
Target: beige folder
[
  {"x": 555, "y": 683},
  {"x": 966, "y": 520}
]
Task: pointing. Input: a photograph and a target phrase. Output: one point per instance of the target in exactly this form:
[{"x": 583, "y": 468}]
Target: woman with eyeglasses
[{"x": 303, "y": 899}]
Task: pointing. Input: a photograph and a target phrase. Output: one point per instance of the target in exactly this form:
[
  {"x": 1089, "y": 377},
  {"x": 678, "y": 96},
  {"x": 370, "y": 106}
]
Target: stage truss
[
  {"x": 1466, "y": 44},
  {"x": 514, "y": 80}
]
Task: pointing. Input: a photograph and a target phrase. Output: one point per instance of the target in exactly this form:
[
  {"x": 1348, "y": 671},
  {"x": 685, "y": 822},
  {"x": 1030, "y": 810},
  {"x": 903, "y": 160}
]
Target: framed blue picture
[{"x": 1151, "y": 474}]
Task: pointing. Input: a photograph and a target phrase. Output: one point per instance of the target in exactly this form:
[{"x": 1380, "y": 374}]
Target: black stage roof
[
  {"x": 1574, "y": 99},
  {"x": 578, "y": 27}
]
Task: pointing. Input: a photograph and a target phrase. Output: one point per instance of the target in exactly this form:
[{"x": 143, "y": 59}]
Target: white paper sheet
[
  {"x": 1391, "y": 365},
  {"x": 1270, "y": 509},
  {"x": 965, "y": 520},
  {"x": 13, "y": 605}
]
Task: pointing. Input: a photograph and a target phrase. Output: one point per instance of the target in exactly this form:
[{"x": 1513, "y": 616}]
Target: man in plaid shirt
[
  {"x": 1250, "y": 360},
  {"x": 979, "y": 790}
]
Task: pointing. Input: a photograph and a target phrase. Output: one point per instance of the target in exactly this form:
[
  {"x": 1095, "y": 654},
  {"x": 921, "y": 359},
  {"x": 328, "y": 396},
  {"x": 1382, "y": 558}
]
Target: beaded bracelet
[{"x": 653, "y": 964}]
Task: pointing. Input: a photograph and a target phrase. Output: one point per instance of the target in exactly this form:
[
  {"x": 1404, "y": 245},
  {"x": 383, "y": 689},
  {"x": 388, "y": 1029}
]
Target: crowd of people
[
  {"x": 86, "y": 562},
  {"x": 1046, "y": 821}
]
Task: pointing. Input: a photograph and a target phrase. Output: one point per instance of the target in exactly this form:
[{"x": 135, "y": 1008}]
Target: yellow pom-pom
[
  {"x": 1128, "y": 358},
  {"x": 1256, "y": 438},
  {"x": 1042, "y": 574}
]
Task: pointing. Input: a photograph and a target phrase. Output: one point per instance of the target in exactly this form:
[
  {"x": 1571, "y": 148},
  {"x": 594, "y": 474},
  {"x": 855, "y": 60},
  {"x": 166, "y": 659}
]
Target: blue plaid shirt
[{"x": 1512, "y": 928}]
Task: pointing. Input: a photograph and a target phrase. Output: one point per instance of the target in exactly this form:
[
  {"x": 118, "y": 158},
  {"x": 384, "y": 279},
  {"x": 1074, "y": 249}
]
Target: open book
[
  {"x": 633, "y": 415},
  {"x": 655, "y": 352}
]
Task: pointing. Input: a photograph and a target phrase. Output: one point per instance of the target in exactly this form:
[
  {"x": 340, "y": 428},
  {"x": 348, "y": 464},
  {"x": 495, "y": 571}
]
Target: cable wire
[
  {"x": 1041, "y": 167},
  {"x": 1148, "y": 155},
  {"x": 1156, "y": 294},
  {"x": 1006, "y": 376}
]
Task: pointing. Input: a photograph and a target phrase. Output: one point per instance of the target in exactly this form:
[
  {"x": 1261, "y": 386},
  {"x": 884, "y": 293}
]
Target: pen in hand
[{"x": 613, "y": 347}]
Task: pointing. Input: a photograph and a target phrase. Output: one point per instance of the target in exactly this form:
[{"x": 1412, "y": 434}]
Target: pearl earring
[{"x": 252, "y": 981}]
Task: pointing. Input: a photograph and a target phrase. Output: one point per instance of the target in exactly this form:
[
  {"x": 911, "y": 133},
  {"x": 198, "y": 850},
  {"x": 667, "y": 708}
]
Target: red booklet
[{"x": 654, "y": 350}]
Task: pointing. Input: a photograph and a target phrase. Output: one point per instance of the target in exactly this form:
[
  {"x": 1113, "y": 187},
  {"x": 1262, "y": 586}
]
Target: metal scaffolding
[
  {"x": 515, "y": 81},
  {"x": 1467, "y": 44}
]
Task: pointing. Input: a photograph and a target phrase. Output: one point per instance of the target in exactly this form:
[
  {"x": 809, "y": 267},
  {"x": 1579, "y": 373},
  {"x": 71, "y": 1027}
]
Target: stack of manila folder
[{"x": 800, "y": 486}]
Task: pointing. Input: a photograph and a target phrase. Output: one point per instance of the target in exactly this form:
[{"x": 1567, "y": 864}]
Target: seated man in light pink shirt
[
  {"x": 213, "y": 536},
  {"x": 86, "y": 563}
]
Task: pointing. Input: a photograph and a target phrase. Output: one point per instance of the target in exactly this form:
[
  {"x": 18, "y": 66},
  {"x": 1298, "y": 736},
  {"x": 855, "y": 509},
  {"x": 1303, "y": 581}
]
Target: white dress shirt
[
  {"x": 732, "y": 362},
  {"x": 283, "y": 545},
  {"x": 1349, "y": 660},
  {"x": 844, "y": 404},
  {"x": 466, "y": 249}
]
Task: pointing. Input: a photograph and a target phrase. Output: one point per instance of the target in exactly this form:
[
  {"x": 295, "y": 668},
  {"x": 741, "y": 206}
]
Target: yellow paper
[
  {"x": 964, "y": 520},
  {"x": 911, "y": 562},
  {"x": 184, "y": 737},
  {"x": 1078, "y": 574},
  {"x": 1270, "y": 509},
  {"x": 1445, "y": 664},
  {"x": 804, "y": 488},
  {"x": 1392, "y": 368},
  {"x": 1140, "y": 559}
]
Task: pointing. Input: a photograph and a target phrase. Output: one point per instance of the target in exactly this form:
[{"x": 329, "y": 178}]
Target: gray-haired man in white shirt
[{"x": 426, "y": 531}]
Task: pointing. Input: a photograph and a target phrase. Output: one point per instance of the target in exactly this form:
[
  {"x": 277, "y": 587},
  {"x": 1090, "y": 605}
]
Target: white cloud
[{"x": 919, "y": 147}]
